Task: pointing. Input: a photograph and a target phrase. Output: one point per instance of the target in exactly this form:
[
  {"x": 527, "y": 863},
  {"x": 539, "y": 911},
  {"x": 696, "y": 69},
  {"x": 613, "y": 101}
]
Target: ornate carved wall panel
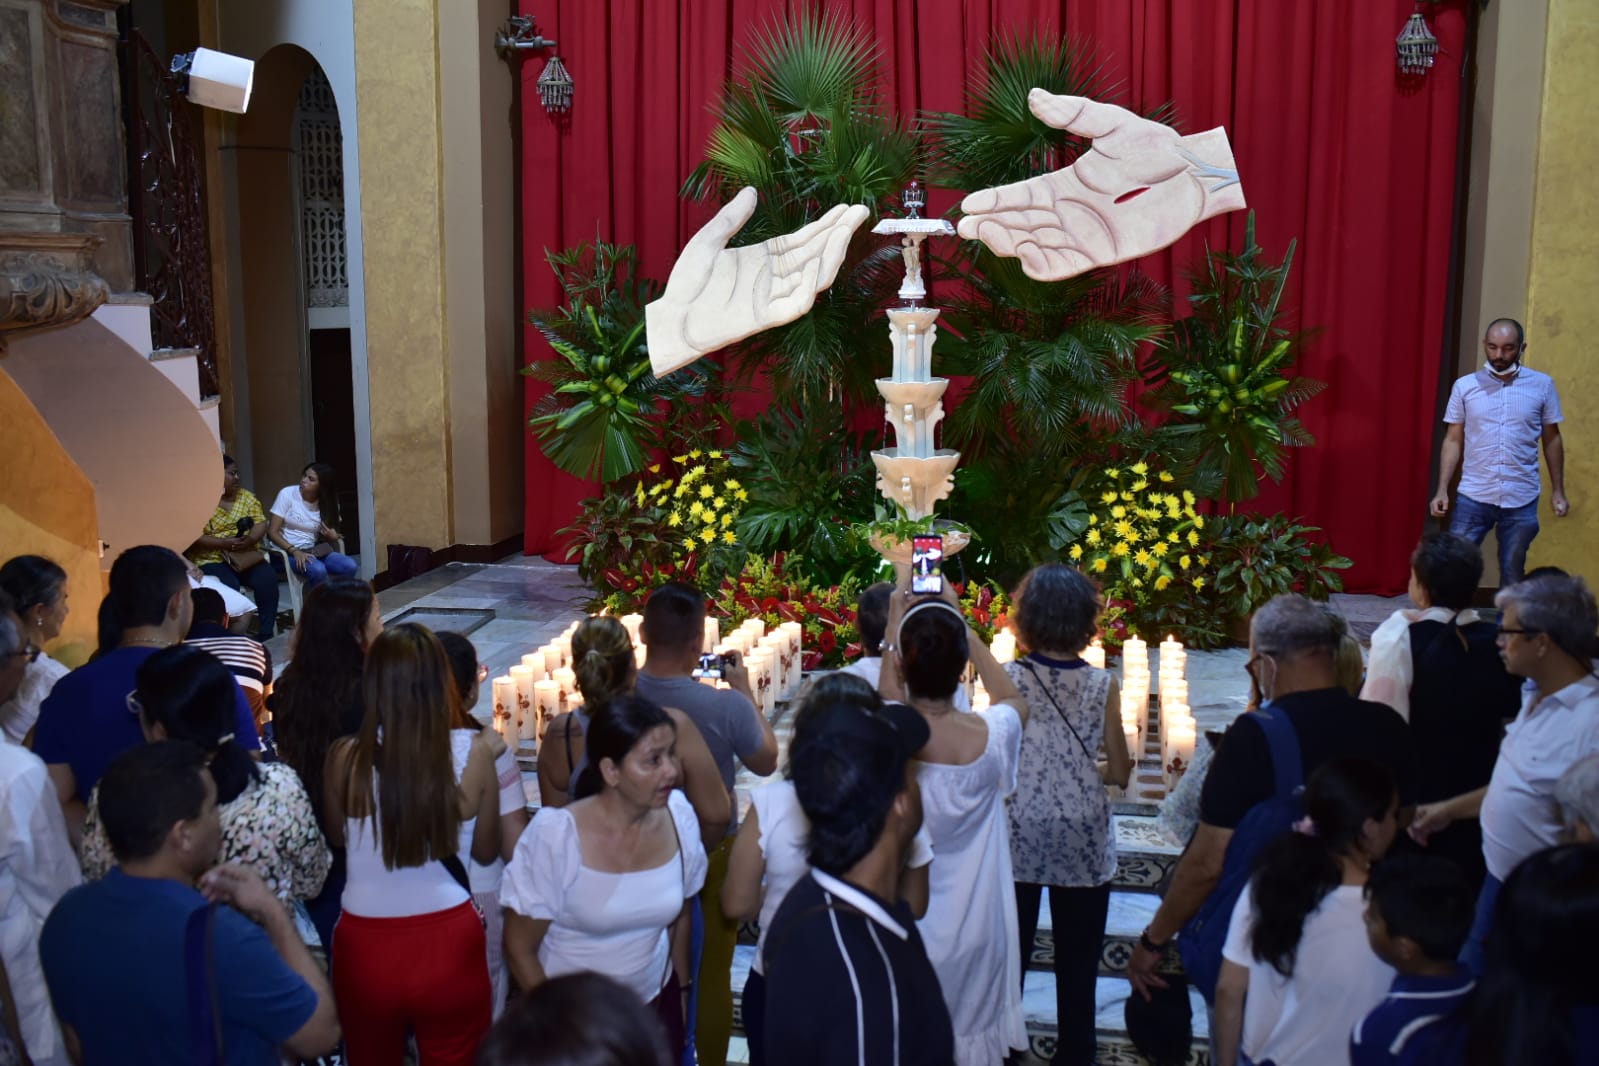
[{"x": 319, "y": 147}]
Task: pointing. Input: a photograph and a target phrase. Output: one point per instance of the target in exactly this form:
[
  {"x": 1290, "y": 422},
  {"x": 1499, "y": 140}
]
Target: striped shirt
[
  {"x": 1419, "y": 1022},
  {"x": 245, "y": 657},
  {"x": 848, "y": 981},
  {"x": 1504, "y": 421}
]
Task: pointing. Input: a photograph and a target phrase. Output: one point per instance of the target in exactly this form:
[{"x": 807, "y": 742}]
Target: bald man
[{"x": 1496, "y": 417}]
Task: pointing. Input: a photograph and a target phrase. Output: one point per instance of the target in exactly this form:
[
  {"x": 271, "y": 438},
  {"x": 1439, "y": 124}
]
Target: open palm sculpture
[{"x": 1138, "y": 189}]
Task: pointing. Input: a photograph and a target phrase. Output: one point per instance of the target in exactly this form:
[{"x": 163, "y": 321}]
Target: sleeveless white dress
[{"x": 970, "y": 927}]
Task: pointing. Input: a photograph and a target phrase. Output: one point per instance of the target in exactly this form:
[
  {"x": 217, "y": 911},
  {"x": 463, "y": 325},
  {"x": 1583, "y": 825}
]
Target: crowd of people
[{"x": 1388, "y": 865}]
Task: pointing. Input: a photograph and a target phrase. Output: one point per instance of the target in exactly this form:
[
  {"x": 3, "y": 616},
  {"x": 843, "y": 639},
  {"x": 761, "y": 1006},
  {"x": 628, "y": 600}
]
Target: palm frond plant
[
  {"x": 810, "y": 481},
  {"x": 606, "y": 411},
  {"x": 802, "y": 122},
  {"x": 1224, "y": 374}
]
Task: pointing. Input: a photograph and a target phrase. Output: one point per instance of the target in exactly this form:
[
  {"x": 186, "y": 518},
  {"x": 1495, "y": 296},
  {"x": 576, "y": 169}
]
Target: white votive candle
[
  {"x": 566, "y": 677},
  {"x": 713, "y": 635},
  {"x": 523, "y": 676},
  {"x": 534, "y": 660},
  {"x": 1094, "y": 654},
  {"x": 505, "y": 706},
  {"x": 756, "y": 627},
  {"x": 546, "y": 703},
  {"x": 1003, "y": 647},
  {"x": 632, "y": 622},
  {"x": 1179, "y": 751}
]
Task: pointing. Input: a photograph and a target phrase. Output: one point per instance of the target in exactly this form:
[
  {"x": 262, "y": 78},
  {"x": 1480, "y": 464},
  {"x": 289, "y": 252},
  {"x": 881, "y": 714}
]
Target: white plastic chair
[{"x": 296, "y": 582}]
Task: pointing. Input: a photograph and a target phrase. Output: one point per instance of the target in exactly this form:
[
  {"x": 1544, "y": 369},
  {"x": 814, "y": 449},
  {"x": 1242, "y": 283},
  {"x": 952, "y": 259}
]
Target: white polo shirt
[{"x": 1519, "y": 814}]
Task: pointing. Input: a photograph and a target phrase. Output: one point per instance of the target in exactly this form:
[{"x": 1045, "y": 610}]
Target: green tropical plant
[
  {"x": 606, "y": 411},
  {"x": 810, "y": 481},
  {"x": 801, "y": 121},
  {"x": 1223, "y": 374},
  {"x": 1256, "y": 557}
]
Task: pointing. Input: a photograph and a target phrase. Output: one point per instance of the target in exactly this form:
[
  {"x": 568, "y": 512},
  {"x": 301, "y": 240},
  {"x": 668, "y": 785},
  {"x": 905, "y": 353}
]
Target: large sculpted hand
[
  {"x": 717, "y": 295},
  {"x": 1135, "y": 191}
]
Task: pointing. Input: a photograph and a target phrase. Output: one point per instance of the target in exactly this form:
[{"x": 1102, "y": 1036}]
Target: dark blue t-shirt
[
  {"x": 85, "y": 722},
  {"x": 1420, "y": 1023},
  {"x": 113, "y": 956}
]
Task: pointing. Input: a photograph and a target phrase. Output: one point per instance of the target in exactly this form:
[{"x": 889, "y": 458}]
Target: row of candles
[{"x": 544, "y": 684}]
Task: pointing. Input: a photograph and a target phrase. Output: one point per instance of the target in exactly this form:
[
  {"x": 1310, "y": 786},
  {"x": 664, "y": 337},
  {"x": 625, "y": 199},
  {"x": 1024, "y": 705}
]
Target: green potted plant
[{"x": 1257, "y": 557}]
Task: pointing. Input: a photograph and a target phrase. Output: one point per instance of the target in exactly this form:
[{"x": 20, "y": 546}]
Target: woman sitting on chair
[
  {"x": 305, "y": 524},
  {"x": 228, "y": 548}
]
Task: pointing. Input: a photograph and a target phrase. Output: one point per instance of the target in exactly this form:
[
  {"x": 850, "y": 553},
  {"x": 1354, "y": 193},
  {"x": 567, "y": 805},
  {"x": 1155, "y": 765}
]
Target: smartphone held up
[{"x": 927, "y": 564}]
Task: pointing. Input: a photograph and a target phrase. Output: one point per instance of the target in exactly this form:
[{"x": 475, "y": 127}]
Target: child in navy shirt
[{"x": 1418, "y": 913}]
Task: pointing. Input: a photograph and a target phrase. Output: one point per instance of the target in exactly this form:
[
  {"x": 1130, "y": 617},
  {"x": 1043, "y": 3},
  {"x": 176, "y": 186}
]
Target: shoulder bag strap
[
  {"x": 1286, "y": 762},
  {"x": 199, "y": 967},
  {"x": 1075, "y": 735}
]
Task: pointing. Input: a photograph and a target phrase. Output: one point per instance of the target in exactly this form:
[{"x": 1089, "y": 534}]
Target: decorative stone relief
[
  {"x": 1138, "y": 189},
  {"x": 45, "y": 282}
]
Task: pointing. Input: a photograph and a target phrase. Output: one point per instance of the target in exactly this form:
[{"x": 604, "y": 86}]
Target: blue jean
[
  {"x": 1516, "y": 527},
  {"x": 332, "y": 564},
  {"x": 1487, "y": 901},
  {"x": 263, "y": 582}
]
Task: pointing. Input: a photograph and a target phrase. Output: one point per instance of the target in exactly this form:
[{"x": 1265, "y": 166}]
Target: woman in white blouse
[
  {"x": 770, "y": 854},
  {"x": 38, "y": 591},
  {"x": 304, "y": 521},
  {"x": 600, "y": 885}
]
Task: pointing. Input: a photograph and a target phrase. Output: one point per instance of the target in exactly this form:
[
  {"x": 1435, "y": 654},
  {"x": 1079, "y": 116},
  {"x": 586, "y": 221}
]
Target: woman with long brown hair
[
  {"x": 603, "y": 659},
  {"x": 409, "y": 949}
]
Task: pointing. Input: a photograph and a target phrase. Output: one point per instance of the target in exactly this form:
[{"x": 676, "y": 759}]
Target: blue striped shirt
[
  {"x": 1421, "y": 1022},
  {"x": 1504, "y": 422}
]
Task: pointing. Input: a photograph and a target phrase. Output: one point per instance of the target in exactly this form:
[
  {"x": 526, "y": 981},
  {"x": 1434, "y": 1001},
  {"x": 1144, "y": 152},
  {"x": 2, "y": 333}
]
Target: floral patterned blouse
[
  {"x": 268, "y": 827},
  {"x": 1060, "y": 828}
]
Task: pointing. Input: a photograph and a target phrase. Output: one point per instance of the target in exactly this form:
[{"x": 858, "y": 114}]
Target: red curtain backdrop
[{"x": 1335, "y": 150}]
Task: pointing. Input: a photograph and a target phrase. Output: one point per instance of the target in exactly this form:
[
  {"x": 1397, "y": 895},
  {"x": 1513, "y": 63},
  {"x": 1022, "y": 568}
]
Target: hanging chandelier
[
  {"x": 1416, "y": 47},
  {"x": 555, "y": 87}
]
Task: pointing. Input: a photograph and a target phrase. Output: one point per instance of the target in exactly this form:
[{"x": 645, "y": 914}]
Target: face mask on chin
[{"x": 1509, "y": 371}]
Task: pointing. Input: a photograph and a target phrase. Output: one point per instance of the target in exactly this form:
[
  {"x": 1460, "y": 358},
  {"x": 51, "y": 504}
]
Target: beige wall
[
  {"x": 1562, "y": 310},
  {"x": 485, "y": 389}
]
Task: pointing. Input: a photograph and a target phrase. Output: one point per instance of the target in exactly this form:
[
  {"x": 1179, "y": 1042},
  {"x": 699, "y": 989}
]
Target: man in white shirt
[
  {"x": 1546, "y": 633},
  {"x": 37, "y": 865},
  {"x": 1496, "y": 416}
]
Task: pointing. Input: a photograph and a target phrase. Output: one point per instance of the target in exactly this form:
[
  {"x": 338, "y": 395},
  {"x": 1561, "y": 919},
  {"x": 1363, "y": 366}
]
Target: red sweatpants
[{"x": 426, "y": 974}]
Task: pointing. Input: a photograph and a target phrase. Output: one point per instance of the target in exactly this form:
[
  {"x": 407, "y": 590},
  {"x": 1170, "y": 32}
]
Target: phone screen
[
  {"x": 710, "y": 666},
  {"x": 927, "y": 564}
]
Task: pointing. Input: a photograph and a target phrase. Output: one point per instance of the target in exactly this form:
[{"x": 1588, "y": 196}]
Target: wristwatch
[{"x": 1149, "y": 945}]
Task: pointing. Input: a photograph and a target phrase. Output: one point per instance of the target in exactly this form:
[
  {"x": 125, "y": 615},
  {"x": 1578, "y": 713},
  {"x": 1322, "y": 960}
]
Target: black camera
[
  {"x": 245, "y": 525},
  {"x": 713, "y": 665}
]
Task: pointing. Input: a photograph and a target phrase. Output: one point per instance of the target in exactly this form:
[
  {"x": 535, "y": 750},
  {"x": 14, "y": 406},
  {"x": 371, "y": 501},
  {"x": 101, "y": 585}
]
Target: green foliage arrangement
[
  {"x": 606, "y": 411},
  {"x": 1223, "y": 375}
]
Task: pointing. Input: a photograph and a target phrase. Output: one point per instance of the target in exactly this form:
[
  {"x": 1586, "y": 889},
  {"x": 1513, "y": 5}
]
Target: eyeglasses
[
  {"x": 29, "y": 653},
  {"x": 1504, "y": 632},
  {"x": 134, "y": 706},
  {"x": 482, "y": 672}
]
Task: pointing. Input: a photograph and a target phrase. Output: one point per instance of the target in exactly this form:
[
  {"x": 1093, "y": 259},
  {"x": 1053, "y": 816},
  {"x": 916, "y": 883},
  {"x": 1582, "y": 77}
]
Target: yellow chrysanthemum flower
[
  {"x": 681, "y": 459},
  {"x": 679, "y": 492},
  {"x": 716, "y": 454},
  {"x": 731, "y": 484},
  {"x": 1162, "y": 582},
  {"x": 729, "y": 537},
  {"x": 1093, "y": 536},
  {"x": 727, "y": 521},
  {"x": 1160, "y": 549},
  {"x": 1093, "y": 520},
  {"x": 1140, "y": 485},
  {"x": 1199, "y": 521},
  {"x": 1120, "y": 550},
  {"x": 1113, "y": 473},
  {"x": 638, "y": 493},
  {"x": 706, "y": 492},
  {"x": 1143, "y": 558},
  {"x": 1109, "y": 497},
  {"x": 742, "y": 496},
  {"x": 696, "y": 509},
  {"x": 1188, "y": 497},
  {"x": 695, "y": 454},
  {"x": 1204, "y": 560},
  {"x": 1076, "y": 552},
  {"x": 690, "y": 543},
  {"x": 1193, "y": 539},
  {"x": 1099, "y": 565},
  {"x": 1118, "y": 511},
  {"x": 1165, "y": 476},
  {"x": 1133, "y": 536},
  {"x": 1127, "y": 497},
  {"x": 1173, "y": 538},
  {"x": 1138, "y": 582},
  {"x": 674, "y": 519},
  {"x": 1199, "y": 583},
  {"x": 1185, "y": 562},
  {"x": 1123, "y": 528},
  {"x": 1140, "y": 469},
  {"x": 718, "y": 503}
]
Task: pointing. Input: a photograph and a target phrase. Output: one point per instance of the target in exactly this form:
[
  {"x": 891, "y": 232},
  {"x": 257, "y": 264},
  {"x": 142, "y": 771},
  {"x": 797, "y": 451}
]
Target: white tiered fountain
[{"x": 914, "y": 474}]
